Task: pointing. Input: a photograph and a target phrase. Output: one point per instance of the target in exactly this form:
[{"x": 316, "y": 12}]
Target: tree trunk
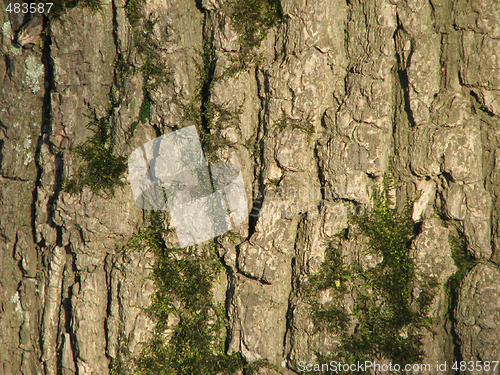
[{"x": 315, "y": 101}]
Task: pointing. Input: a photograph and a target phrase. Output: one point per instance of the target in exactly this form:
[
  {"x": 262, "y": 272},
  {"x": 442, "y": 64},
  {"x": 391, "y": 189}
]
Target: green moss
[
  {"x": 274, "y": 181},
  {"x": 305, "y": 125},
  {"x": 61, "y": 6},
  {"x": 183, "y": 283},
  {"x": 122, "y": 363},
  {"x": 389, "y": 235},
  {"x": 92, "y": 4},
  {"x": 210, "y": 118},
  {"x": 387, "y": 320},
  {"x": 131, "y": 130},
  {"x": 155, "y": 71},
  {"x": 98, "y": 167},
  {"x": 464, "y": 261},
  {"x": 134, "y": 11},
  {"x": 252, "y": 19},
  {"x": 333, "y": 273},
  {"x": 123, "y": 67},
  {"x": 145, "y": 111}
]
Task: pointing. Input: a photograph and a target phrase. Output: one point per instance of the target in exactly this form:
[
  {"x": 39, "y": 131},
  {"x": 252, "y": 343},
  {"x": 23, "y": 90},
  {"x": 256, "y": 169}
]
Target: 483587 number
[
  {"x": 485, "y": 366},
  {"x": 28, "y": 8}
]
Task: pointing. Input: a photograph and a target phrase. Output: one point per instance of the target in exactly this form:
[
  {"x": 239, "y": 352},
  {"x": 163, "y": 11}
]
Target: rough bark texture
[{"x": 333, "y": 98}]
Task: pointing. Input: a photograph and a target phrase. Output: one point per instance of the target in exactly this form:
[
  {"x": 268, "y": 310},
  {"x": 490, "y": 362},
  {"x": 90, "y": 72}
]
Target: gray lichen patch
[
  {"x": 34, "y": 70},
  {"x": 7, "y": 30},
  {"x": 7, "y": 36}
]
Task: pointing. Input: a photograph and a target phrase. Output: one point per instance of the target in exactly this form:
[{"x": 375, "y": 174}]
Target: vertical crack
[
  {"x": 50, "y": 336},
  {"x": 403, "y": 121},
  {"x": 48, "y": 80},
  {"x": 321, "y": 176},
  {"x": 108, "y": 269},
  {"x": 403, "y": 57},
  {"x": 66, "y": 330},
  {"x": 454, "y": 286},
  {"x": 258, "y": 194},
  {"x": 120, "y": 61},
  {"x": 46, "y": 120},
  {"x": 44, "y": 139},
  {"x": 115, "y": 34},
  {"x": 59, "y": 164},
  {"x": 289, "y": 338},
  {"x": 207, "y": 72},
  {"x": 118, "y": 82},
  {"x": 209, "y": 64},
  {"x": 297, "y": 267},
  {"x": 228, "y": 302}
]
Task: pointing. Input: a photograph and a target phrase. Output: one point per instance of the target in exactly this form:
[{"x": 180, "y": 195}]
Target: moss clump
[
  {"x": 59, "y": 7},
  {"x": 305, "y": 125},
  {"x": 210, "y": 118},
  {"x": 123, "y": 67},
  {"x": 214, "y": 119},
  {"x": 253, "y": 18},
  {"x": 99, "y": 168},
  {"x": 387, "y": 320},
  {"x": 134, "y": 11},
  {"x": 464, "y": 262},
  {"x": 92, "y": 4},
  {"x": 154, "y": 70},
  {"x": 183, "y": 282},
  {"x": 122, "y": 362},
  {"x": 389, "y": 235},
  {"x": 145, "y": 110}
]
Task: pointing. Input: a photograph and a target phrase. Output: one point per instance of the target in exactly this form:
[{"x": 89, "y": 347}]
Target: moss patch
[
  {"x": 306, "y": 126},
  {"x": 61, "y": 6},
  {"x": 210, "y": 118},
  {"x": 464, "y": 262},
  {"x": 145, "y": 110},
  {"x": 387, "y": 320},
  {"x": 183, "y": 283},
  {"x": 134, "y": 11},
  {"x": 252, "y": 20},
  {"x": 154, "y": 70},
  {"x": 98, "y": 168}
]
